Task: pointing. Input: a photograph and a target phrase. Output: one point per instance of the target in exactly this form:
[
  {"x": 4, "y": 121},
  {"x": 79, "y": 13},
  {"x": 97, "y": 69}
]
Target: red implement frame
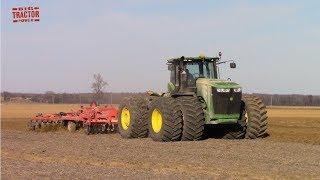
[{"x": 94, "y": 119}]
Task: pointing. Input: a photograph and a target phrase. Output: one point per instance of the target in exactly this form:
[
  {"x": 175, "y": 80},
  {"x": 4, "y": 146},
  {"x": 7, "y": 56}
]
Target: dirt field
[{"x": 292, "y": 151}]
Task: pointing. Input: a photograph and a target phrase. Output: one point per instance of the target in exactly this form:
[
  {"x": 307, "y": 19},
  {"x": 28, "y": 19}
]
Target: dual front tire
[{"x": 253, "y": 121}]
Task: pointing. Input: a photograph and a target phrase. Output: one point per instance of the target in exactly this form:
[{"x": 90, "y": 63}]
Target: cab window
[{"x": 192, "y": 70}]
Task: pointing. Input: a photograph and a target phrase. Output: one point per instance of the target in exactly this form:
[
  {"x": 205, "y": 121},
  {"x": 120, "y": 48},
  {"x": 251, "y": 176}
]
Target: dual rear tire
[
  {"x": 162, "y": 118},
  {"x": 133, "y": 118}
]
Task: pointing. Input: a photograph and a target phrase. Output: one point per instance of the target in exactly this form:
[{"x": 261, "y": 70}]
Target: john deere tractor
[{"x": 196, "y": 98}]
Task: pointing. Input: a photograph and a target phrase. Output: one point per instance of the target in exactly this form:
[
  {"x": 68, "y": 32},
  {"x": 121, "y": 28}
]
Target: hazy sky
[{"x": 276, "y": 44}]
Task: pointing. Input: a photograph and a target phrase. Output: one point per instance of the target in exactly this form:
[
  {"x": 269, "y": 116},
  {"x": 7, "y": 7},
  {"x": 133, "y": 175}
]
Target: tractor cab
[
  {"x": 185, "y": 71},
  {"x": 198, "y": 77}
]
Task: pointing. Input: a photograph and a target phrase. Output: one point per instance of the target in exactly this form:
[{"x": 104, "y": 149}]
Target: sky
[{"x": 276, "y": 44}]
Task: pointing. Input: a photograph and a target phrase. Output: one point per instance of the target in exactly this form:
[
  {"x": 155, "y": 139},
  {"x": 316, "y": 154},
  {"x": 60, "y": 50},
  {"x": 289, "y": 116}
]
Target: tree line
[
  {"x": 290, "y": 99},
  {"x": 115, "y": 98},
  {"x": 65, "y": 98}
]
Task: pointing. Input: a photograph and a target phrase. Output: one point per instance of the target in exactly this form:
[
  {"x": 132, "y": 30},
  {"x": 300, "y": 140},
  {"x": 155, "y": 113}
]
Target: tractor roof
[{"x": 199, "y": 58}]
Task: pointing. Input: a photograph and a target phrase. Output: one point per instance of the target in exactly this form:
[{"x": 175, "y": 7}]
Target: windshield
[
  {"x": 200, "y": 69},
  {"x": 196, "y": 70}
]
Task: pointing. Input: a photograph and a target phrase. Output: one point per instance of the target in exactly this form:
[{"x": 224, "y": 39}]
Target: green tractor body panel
[{"x": 207, "y": 92}]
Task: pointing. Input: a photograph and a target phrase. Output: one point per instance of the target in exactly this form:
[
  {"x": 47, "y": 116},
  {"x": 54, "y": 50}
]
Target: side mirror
[{"x": 233, "y": 65}]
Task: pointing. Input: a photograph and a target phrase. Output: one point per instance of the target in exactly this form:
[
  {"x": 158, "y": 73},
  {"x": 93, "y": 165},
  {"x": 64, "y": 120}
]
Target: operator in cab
[{"x": 190, "y": 79}]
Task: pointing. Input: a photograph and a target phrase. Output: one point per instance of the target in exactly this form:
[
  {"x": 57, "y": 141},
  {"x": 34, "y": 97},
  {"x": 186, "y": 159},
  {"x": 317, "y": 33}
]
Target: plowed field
[{"x": 291, "y": 151}]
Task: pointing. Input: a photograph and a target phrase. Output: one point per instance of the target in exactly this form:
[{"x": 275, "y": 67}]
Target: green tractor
[{"x": 196, "y": 99}]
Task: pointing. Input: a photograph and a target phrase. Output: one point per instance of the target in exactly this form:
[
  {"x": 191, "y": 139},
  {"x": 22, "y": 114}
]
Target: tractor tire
[
  {"x": 255, "y": 117},
  {"x": 132, "y": 117},
  {"x": 72, "y": 126},
  {"x": 165, "y": 120},
  {"x": 253, "y": 121},
  {"x": 193, "y": 118}
]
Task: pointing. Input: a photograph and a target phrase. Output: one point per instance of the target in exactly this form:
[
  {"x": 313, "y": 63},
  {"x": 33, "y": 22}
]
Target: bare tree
[
  {"x": 6, "y": 95},
  {"x": 98, "y": 86},
  {"x": 50, "y": 96}
]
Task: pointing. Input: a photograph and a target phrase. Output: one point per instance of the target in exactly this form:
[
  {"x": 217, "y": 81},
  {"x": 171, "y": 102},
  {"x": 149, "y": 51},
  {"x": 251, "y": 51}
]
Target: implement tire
[
  {"x": 193, "y": 118},
  {"x": 37, "y": 126},
  {"x": 31, "y": 126},
  {"x": 71, "y": 126},
  {"x": 132, "y": 117},
  {"x": 165, "y": 120}
]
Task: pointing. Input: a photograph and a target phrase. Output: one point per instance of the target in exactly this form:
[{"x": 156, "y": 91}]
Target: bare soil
[{"x": 292, "y": 151}]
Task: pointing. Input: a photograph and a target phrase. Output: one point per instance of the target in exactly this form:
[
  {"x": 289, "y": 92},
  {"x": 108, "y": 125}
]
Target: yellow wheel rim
[
  {"x": 125, "y": 118},
  {"x": 156, "y": 120}
]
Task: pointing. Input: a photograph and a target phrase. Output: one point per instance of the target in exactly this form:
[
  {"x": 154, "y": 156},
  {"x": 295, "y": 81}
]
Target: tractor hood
[{"x": 218, "y": 83}]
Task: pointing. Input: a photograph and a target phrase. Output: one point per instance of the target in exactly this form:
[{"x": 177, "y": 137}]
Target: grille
[{"x": 223, "y": 104}]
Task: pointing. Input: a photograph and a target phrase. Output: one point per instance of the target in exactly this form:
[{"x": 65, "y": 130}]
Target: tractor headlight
[
  {"x": 223, "y": 90},
  {"x": 237, "y": 90}
]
